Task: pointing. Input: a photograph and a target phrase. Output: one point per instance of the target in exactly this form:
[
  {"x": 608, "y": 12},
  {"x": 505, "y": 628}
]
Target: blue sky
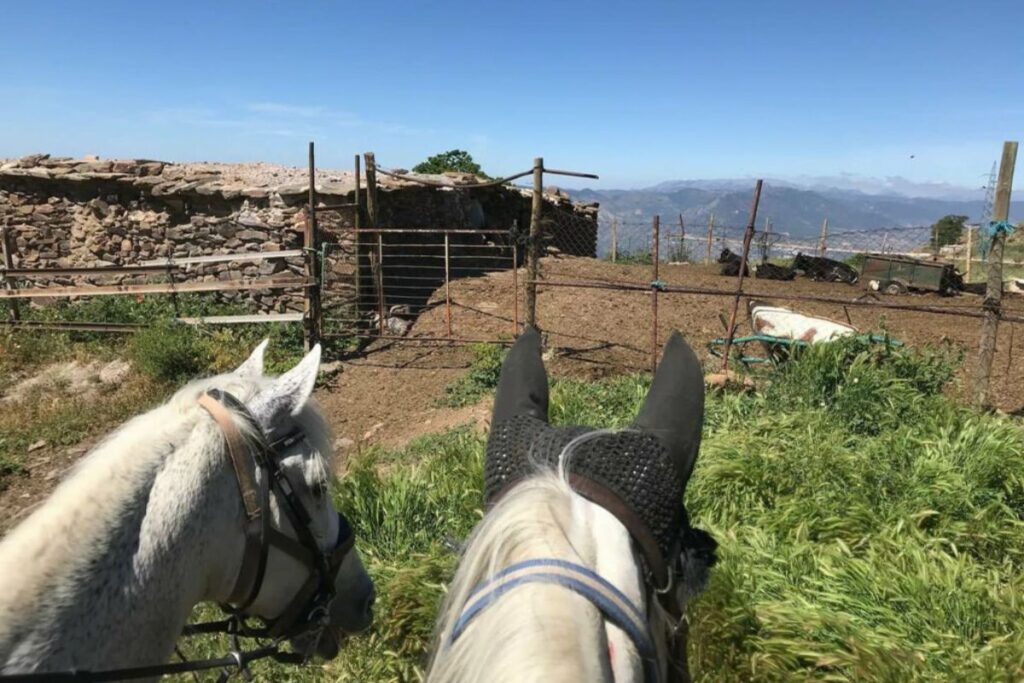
[{"x": 638, "y": 92}]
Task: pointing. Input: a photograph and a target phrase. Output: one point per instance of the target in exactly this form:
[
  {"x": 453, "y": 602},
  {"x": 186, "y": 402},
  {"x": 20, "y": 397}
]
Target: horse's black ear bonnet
[{"x": 639, "y": 474}]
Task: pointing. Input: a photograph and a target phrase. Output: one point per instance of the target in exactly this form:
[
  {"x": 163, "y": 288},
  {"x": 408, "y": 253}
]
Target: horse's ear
[
  {"x": 287, "y": 394},
  {"x": 523, "y": 384},
  {"x": 253, "y": 365},
  {"x": 674, "y": 408}
]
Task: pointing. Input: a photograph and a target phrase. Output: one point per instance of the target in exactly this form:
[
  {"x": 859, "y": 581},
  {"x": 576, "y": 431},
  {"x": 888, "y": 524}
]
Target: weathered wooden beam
[
  {"x": 242, "y": 319},
  {"x": 241, "y": 257},
  {"x": 162, "y": 288}
]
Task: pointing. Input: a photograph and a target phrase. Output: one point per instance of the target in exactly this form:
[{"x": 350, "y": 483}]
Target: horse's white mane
[
  {"x": 110, "y": 488},
  {"x": 532, "y": 520},
  {"x": 541, "y": 632}
]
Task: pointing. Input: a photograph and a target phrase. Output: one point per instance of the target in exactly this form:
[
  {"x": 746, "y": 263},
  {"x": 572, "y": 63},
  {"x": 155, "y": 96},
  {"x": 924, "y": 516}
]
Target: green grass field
[{"x": 870, "y": 528}]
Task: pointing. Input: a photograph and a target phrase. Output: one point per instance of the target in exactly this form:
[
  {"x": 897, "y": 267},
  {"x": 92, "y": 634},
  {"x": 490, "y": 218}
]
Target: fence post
[
  {"x": 655, "y": 284},
  {"x": 377, "y": 259},
  {"x": 7, "y": 249},
  {"x": 615, "y": 238},
  {"x": 711, "y": 236},
  {"x": 447, "y": 284},
  {"x": 748, "y": 236},
  {"x": 371, "y": 190},
  {"x": 970, "y": 249},
  {"x": 994, "y": 286},
  {"x": 310, "y": 243},
  {"x": 823, "y": 241},
  {"x": 356, "y": 225},
  {"x": 535, "y": 238},
  {"x": 681, "y": 251},
  {"x": 515, "y": 289}
]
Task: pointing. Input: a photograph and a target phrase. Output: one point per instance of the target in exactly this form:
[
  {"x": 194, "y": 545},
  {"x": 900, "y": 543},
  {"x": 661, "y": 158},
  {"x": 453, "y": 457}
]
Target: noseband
[{"x": 308, "y": 608}]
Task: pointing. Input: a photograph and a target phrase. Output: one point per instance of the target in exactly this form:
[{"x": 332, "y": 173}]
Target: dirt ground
[{"x": 597, "y": 333}]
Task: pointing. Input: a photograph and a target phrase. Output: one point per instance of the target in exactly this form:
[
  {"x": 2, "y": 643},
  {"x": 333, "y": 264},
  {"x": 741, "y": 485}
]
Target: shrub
[
  {"x": 857, "y": 260},
  {"x": 868, "y": 386},
  {"x": 170, "y": 352}
]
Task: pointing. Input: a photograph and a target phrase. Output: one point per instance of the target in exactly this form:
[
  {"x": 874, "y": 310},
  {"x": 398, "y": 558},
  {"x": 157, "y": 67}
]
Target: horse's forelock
[{"x": 245, "y": 388}]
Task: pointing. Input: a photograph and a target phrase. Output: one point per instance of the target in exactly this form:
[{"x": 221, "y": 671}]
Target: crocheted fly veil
[{"x": 639, "y": 474}]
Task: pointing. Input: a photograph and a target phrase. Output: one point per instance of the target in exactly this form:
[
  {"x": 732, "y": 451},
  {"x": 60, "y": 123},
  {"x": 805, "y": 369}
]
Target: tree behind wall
[
  {"x": 452, "y": 160},
  {"x": 949, "y": 230}
]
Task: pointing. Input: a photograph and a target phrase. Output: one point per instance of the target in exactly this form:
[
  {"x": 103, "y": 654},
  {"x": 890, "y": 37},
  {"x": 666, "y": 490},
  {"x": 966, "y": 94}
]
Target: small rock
[
  {"x": 343, "y": 444},
  {"x": 251, "y": 235},
  {"x": 372, "y": 431},
  {"x": 37, "y": 445}
]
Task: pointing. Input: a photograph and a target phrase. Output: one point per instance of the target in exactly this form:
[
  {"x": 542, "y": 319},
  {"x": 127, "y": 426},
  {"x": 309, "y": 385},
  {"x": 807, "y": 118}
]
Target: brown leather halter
[{"x": 308, "y": 608}]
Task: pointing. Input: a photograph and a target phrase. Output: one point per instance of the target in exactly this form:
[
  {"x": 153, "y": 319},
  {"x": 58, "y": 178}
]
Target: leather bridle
[
  {"x": 307, "y": 612},
  {"x": 308, "y": 608}
]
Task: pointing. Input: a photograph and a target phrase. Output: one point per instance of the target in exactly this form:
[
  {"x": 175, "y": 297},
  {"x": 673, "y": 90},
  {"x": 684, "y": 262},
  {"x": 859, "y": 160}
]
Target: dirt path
[{"x": 392, "y": 395}]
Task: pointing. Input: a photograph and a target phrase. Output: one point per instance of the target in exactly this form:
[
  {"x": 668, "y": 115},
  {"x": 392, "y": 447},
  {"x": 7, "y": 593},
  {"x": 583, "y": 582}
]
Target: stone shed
[{"x": 66, "y": 213}]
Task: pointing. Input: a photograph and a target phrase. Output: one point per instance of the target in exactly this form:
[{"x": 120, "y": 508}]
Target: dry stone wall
[{"x": 62, "y": 212}]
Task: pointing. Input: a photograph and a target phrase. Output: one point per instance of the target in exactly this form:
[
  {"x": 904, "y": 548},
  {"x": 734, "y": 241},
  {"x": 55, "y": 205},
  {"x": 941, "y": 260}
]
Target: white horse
[
  {"x": 558, "y": 586},
  {"x": 106, "y": 572}
]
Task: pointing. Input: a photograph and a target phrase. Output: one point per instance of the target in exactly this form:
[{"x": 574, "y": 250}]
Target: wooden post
[
  {"x": 311, "y": 315},
  {"x": 447, "y": 284},
  {"x": 823, "y": 241},
  {"x": 371, "y": 190},
  {"x": 535, "y": 241},
  {"x": 970, "y": 249},
  {"x": 681, "y": 251},
  {"x": 994, "y": 286},
  {"x": 377, "y": 261},
  {"x": 935, "y": 241},
  {"x": 655, "y": 284},
  {"x": 356, "y": 225},
  {"x": 711, "y": 236},
  {"x": 515, "y": 290},
  {"x": 748, "y": 236},
  {"x": 767, "y": 240},
  {"x": 8, "y": 261},
  {"x": 615, "y": 239}
]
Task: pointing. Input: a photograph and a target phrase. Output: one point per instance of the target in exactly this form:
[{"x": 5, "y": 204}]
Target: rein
[{"x": 308, "y": 609}]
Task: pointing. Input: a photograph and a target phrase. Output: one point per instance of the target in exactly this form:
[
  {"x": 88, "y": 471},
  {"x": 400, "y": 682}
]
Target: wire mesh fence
[
  {"x": 402, "y": 274},
  {"x": 628, "y": 240}
]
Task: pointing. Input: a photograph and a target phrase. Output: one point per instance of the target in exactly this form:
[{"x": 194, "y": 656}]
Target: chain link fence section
[
  {"x": 568, "y": 229},
  {"x": 628, "y": 240}
]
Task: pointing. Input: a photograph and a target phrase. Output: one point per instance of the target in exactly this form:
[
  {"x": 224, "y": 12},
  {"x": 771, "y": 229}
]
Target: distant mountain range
[{"x": 792, "y": 208}]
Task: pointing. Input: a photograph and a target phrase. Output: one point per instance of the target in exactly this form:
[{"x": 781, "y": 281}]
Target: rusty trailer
[{"x": 893, "y": 274}]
